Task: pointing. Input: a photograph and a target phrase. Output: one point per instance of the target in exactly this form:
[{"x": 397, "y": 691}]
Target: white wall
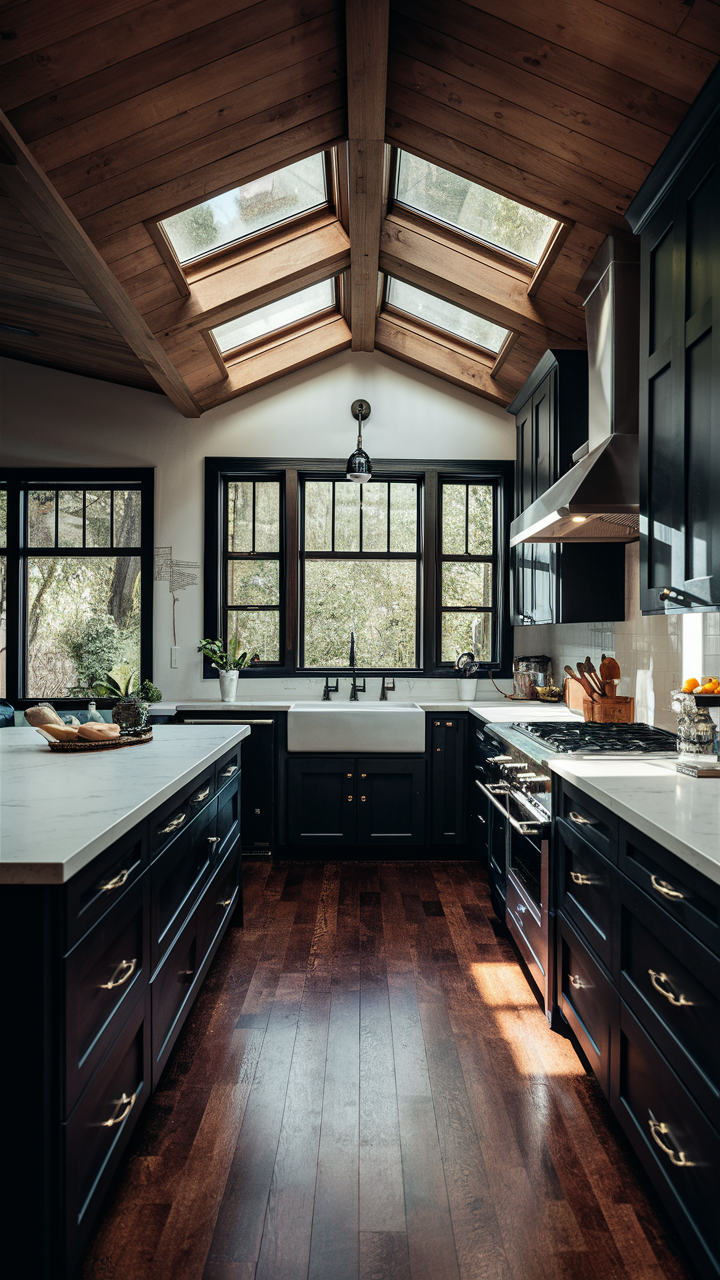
[{"x": 59, "y": 419}]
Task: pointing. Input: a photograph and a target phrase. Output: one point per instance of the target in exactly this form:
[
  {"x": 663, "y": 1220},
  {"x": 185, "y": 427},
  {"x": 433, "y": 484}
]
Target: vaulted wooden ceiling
[{"x": 116, "y": 116}]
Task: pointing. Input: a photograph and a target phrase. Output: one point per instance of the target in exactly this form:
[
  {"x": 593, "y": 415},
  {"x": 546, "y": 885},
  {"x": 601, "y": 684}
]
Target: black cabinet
[
  {"x": 676, "y": 211},
  {"x": 351, "y": 800},
  {"x": 563, "y": 582},
  {"x": 258, "y": 817},
  {"x": 447, "y": 779}
]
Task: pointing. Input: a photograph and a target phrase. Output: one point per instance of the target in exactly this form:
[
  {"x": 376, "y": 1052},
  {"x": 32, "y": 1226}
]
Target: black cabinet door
[
  {"x": 257, "y": 804},
  {"x": 391, "y": 801},
  {"x": 321, "y": 801},
  {"x": 680, "y": 387},
  {"x": 447, "y": 780}
]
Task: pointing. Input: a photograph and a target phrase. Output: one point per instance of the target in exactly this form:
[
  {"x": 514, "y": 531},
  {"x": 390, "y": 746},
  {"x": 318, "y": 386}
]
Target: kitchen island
[{"x": 119, "y": 875}]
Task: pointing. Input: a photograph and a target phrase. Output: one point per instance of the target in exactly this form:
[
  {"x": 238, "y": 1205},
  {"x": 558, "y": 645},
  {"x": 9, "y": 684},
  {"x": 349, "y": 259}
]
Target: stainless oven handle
[{"x": 523, "y": 828}]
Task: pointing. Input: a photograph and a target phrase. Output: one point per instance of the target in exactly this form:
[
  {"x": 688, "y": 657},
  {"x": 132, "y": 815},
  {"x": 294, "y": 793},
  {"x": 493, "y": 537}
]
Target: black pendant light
[{"x": 359, "y": 466}]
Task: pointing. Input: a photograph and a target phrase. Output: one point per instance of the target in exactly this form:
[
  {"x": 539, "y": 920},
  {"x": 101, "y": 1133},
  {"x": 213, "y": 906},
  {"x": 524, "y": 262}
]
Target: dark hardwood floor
[{"x": 367, "y": 1088}]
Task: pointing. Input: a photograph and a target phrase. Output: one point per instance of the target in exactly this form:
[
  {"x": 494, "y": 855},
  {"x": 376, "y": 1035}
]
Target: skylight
[
  {"x": 261, "y": 204},
  {"x": 470, "y": 208},
  {"x": 444, "y": 315},
  {"x": 275, "y": 316}
]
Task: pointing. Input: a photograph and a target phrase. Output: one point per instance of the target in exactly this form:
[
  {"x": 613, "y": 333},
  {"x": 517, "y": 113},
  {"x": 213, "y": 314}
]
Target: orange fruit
[
  {"x": 706, "y": 688},
  {"x": 690, "y": 685}
]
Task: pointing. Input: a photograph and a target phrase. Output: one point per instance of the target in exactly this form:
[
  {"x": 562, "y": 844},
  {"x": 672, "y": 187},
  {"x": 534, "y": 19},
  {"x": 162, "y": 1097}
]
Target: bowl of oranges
[{"x": 705, "y": 691}]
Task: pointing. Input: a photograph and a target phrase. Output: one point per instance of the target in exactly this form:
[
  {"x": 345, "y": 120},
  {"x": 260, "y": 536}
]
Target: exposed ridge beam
[
  {"x": 367, "y": 24},
  {"x": 47, "y": 212}
]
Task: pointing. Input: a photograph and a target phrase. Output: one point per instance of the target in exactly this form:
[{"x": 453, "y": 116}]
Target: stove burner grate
[{"x": 600, "y": 739}]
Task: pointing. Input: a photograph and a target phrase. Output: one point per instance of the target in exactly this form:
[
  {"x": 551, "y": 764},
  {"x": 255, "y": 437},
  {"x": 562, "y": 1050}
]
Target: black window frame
[
  {"x": 292, "y": 471},
  {"x": 17, "y": 480}
]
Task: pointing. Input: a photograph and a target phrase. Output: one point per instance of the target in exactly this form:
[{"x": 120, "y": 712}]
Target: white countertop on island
[
  {"x": 58, "y": 812},
  {"x": 491, "y": 707}
]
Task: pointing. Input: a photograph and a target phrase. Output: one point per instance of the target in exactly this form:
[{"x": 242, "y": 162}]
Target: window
[
  {"x": 257, "y": 206},
  {"x": 444, "y": 315},
  {"x": 360, "y": 572},
  {"x": 470, "y": 208},
  {"x": 79, "y": 553},
  {"x": 270, "y": 319},
  {"x": 414, "y": 563}
]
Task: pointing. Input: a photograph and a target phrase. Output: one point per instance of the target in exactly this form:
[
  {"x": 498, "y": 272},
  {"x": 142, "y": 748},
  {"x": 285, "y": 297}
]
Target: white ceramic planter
[
  {"x": 228, "y": 685},
  {"x": 466, "y": 690}
]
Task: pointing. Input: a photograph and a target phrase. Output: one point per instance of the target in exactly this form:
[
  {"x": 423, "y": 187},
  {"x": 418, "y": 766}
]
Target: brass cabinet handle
[
  {"x": 228, "y": 773},
  {"x": 123, "y": 1101},
  {"x": 117, "y": 881},
  {"x": 363, "y": 799},
  {"x": 678, "y": 1158},
  {"x": 213, "y": 839},
  {"x": 580, "y": 820},
  {"x": 201, "y": 795},
  {"x": 225, "y": 902},
  {"x": 656, "y": 980},
  {"x": 124, "y": 970},
  {"x": 173, "y": 825},
  {"x": 257, "y": 810},
  {"x": 579, "y": 878},
  {"x": 576, "y": 981},
  {"x": 664, "y": 888}
]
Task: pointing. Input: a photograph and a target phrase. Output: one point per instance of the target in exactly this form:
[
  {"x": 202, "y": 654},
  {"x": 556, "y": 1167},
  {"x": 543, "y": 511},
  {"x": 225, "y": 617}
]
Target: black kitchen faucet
[{"x": 355, "y": 688}]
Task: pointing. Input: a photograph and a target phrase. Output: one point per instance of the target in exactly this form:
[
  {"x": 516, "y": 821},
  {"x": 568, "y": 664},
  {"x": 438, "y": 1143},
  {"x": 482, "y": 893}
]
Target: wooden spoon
[
  {"x": 609, "y": 669},
  {"x": 593, "y": 676},
  {"x": 586, "y": 684}
]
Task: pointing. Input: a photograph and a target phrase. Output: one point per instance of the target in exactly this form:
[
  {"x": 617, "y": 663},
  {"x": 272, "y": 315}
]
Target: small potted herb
[{"x": 227, "y": 662}]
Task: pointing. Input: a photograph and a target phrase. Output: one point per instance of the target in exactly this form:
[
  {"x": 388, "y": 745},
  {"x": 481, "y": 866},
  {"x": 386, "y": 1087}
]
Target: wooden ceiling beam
[
  {"x": 400, "y": 338},
  {"x": 428, "y": 259},
  {"x": 40, "y": 203},
  {"x": 327, "y": 338},
  {"x": 367, "y": 50}
]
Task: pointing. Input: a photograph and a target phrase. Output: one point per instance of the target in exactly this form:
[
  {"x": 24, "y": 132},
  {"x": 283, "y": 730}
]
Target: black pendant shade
[{"x": 359, "y": 466}]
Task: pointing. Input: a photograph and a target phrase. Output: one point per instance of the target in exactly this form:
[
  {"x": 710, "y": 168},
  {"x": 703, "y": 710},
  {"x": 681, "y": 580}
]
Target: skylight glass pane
[
  {"x": 445, "y": 315},
  {"x": 276, "y": 315},
  {"x": 471, "y": 208},
  {"x": 246, "y": 210}
]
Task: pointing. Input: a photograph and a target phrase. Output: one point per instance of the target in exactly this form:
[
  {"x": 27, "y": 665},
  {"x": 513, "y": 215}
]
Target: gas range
[{"x": 587, "y": 740}]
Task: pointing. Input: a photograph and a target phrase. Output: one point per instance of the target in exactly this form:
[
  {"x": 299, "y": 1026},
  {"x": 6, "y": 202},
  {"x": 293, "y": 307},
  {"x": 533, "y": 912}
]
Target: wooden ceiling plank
[
  {"x": 667, "y": 15},
  {"x": 612, "y": 39},
  {"x": 519, "y": 123},
  {"x": 549, "y": 61},
  {"x": 415, "y": 348},
  {"x": 160, "y": 140},
  {"x": 230, "y": 171},
  {"x": 170, "y": 101},
  {"x": 41, "y": 204},
  {"x": 33, "y": 24},
  {"x": 221, "y": 146},
  {"x": 124, "y": 243},
  {"x": 253, "y": 282},
  {"x": 367, "y": 49},
  {"x": 266, "y": 366},
  {"x": 702, "y": 24},
  {"x": 469, "y": 281},
  {"x": 159, "y": 66},
  {"x": 518, "y": 85},
  {"x": 572, "y": 179},
  {"x": 507, "y": 179},
  {"x": 133, "y": 264}
]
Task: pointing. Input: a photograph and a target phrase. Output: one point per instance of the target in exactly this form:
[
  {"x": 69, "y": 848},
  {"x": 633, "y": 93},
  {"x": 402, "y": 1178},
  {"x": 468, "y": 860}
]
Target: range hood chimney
[{"x": 597, "y": 500}]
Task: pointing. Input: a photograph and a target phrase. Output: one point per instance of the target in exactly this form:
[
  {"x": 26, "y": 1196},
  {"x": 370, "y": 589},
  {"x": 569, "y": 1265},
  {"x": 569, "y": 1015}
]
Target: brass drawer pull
[
  {"x": 665, "y": 889},
  {"x": 213, "y": 839},
  {"x": 127, "y": 1103},
  {"x": 581, "y": 821},
  {"x": 173, "y": 825},
  {"x": 117, "y": 882},
  {"x": 363, "y": 799},
  {"x": 201, "y": 795},
  {"x": 579, "y": 878},
  {"x": 349, "y": 799},
  {"x": 576, "y": 981},
  {"x": 678, "y": 1158},
  {"x": 657, "y": 979},
  {"x": 225, "y": 902},
  {"x": 124, "y": 970},
  {"x": 228, "y": 773}
]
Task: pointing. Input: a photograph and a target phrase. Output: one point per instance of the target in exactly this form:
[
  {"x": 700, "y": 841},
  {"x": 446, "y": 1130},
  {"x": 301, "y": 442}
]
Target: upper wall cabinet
[
  {"x": 556, "y": 582},
  {"x": 677, "y": 214}
]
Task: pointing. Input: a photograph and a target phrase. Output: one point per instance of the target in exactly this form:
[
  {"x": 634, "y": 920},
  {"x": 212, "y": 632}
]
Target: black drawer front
[
  {"x": 587, "y": 891},
  {"x": 178, "y": 813},
  {"x": 676, "y": 1143},
  {"x": 172, "y": 994},
  {"x": 98, "y": 887},
  {"x": 526, "y": 931},
  {"x": 674, "y": 886},
  {"x": 227, "y": 769},
  {"x": 672, "y": 984},
  {"x": 218, "y": 902},
  {"x": 594, "y": 823},
  {"x": 99, "y": 1128},
  {"x": 587, "y": 999},
  {"x": 228, "y": 816},
  {"x": 103, "y": 975},
  {"x": 178, "y": 876}
]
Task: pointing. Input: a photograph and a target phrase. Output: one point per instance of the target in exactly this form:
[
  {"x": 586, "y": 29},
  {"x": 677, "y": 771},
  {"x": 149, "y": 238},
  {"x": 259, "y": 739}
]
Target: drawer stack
[
  {"x": 638, "y": 936},
  {"x": 102, "y": 974}
]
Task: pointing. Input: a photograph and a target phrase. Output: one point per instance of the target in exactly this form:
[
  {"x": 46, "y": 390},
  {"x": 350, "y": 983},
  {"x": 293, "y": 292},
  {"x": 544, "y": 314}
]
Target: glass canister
[
  {"x": 529, "y": 673},
  {"x": 696, "y": 730}
]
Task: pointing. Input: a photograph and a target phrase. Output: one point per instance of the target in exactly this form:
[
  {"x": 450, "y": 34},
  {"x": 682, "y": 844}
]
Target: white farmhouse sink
[{"x": 356, "y": 726}]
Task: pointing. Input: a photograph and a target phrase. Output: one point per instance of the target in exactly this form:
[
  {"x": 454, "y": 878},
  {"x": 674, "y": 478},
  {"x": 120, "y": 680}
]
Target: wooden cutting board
[{"x": 574, "y": 694}]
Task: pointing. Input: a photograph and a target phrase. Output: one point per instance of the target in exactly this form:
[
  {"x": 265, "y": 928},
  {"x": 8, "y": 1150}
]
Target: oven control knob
[
  {"x": 499, "y": 759},
  {"x": 516, "y": 764},
  {"x": 533, "y": 781}
]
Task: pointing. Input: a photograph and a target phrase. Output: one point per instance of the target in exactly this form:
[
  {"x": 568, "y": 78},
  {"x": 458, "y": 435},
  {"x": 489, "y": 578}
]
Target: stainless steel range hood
[{"x": 597, "y": 500}]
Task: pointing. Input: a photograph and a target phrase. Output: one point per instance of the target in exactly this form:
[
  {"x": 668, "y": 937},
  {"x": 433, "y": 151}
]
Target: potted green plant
[{"x": 227, "y": 662}]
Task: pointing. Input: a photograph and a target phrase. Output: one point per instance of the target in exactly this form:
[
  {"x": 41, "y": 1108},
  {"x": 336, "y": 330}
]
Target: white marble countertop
[
  {"x": 58, "y": 812},
  {"x": 493, "y": 707}
]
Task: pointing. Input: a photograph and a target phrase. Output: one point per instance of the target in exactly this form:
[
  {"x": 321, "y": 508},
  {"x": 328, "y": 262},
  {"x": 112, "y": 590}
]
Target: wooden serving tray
[{"x": 110, "y": 744}]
